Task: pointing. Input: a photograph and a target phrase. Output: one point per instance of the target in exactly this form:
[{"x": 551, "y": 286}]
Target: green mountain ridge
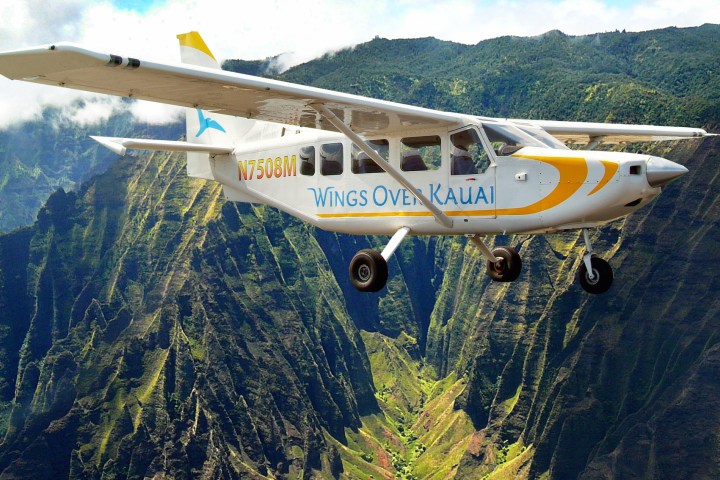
[
  {"x": 667, "y": 76},
  {"x": 131, "y": 347},
  {"x": 41, "y": 156},
  {"x": 148, "y": 328}
]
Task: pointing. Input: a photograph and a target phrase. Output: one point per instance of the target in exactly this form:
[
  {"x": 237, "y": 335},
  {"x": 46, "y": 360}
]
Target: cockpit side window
[
  {"x": 362, "y": 163},
  {"x": 467, "y": 156},
  {"x": 420, "y": 153}
]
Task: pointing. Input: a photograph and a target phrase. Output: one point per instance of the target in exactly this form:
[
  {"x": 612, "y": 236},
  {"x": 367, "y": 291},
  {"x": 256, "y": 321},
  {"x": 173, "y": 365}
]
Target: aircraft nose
[{"x": 661, "y": 171}]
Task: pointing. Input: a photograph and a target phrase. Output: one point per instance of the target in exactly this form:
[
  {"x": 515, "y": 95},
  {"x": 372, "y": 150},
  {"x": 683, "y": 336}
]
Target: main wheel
[
  {"x": 508, "y": 266},
  {"x": 602, "y": 276},
  {"x": 368, "y": 271}
]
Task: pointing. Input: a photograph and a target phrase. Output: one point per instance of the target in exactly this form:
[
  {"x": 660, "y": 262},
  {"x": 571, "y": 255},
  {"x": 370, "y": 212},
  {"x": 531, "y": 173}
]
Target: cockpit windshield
[{"x": 507, "y": 139}]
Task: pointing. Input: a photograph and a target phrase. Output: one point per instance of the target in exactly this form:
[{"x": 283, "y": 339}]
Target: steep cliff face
[
  {"x": 54, "y": 152},
  {"x": 148, "y": 328},
  {"x": 161, "y": 329},
  {"x": 598, "y": 386}
]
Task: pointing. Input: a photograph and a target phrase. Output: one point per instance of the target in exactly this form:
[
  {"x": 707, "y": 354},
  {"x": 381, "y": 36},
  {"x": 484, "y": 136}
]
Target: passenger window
[
  {"x": 362, "y": 163},
  {"x": 307, "y": 161},
  {"x": 468, "y": 157},
  {"x": 331, "y": 159},
  {"x": 420, "y": 153}
]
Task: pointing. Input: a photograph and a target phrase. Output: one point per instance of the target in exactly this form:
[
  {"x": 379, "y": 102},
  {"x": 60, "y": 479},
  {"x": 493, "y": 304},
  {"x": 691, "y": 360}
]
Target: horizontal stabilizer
[{"x": 120, "y": 145}]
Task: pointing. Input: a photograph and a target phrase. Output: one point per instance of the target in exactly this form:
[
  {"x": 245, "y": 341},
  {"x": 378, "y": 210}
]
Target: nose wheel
[{"x": 595, "y": 274}]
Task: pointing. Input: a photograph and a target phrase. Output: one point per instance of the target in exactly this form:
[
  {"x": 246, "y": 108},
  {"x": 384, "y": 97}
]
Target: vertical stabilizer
[
  {"x": 201, "y": 127},
  {"x": 206, "y": 127},
  {"x": 194, "y": 51}
]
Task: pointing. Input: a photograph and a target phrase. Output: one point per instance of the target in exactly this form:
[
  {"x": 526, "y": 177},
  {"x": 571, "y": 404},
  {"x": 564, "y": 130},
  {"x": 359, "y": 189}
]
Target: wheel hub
[
  {"x": 595, "y": 277},
  {"x": 364, "y": 273},
  {"x": 500, "y": 265}
]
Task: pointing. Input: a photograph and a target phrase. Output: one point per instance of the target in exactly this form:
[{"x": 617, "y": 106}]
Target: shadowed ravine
[
  {"x": 148, "y": 328},
  {"x": 157, "y": 328}
]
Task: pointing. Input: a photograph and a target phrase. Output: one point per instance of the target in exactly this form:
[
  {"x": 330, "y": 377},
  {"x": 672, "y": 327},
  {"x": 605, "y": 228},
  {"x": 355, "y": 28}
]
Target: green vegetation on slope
[
  {"x": 148, "y": 328},
  {"x": 421, "y": 433},
  {"x": 37, "y": 158},
  {"x": 665, "y": 76},
  {"x": 165, "y": 327}
]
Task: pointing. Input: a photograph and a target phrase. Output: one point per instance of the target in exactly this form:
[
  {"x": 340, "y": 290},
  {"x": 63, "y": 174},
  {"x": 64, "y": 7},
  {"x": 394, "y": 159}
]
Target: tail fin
[
  {"x": 194, "y": 51},
  {"x": 213, "y": 128},
  {"x": 201, "y": 127}
]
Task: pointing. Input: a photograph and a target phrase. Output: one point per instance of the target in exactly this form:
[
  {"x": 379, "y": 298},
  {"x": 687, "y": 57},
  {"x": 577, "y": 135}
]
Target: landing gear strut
[
  {"x": 369, "y": 269},
  {"x": 595, "y": 274}
]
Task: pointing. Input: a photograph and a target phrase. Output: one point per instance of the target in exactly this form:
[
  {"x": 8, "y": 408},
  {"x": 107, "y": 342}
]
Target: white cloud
[
  {"x": 33, "y": 22},
  {"x": 299, "y": 30},
  {"x": 19, "y": 103},
  {"x": 92, "y": 111},
  {"x": 156, "y": 113},
  {"x": 261, "y": 29}
]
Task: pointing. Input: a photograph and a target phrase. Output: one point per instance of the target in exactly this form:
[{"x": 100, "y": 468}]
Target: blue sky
[{"x": 141, "y": 6}]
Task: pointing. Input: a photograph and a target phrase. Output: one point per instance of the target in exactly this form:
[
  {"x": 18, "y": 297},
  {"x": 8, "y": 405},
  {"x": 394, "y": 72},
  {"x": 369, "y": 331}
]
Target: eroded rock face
[
  {"x": 166, "y": 331},
  {"x": 157, "y": 328},
  {"x": 608, "y": 386},
  {"x": 148, "y": 328}
]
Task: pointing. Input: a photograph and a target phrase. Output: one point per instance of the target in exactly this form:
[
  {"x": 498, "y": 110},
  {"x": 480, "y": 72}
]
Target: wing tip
[{"x": 111, "y": 143}]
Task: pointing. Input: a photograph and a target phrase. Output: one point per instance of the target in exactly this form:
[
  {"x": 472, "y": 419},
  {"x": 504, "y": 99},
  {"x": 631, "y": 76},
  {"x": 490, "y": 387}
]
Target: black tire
[
  {"x": 368, "y": 271},
  {"x": 508, "y": 268},
  {"x": 602, "y": 271}
]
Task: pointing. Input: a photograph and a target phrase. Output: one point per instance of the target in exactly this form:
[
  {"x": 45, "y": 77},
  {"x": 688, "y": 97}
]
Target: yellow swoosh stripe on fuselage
[
  {"x": 610, "y": 169},
  {"x": 573, "y": 172}
]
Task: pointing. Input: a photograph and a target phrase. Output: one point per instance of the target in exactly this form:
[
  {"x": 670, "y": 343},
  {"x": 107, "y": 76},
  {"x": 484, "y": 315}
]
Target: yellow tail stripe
[{"x": 194, "y": 40}]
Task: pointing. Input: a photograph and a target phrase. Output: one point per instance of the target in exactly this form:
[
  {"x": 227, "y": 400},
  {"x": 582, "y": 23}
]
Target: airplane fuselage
[
  {"x": 535, "y": 189},
  {"x": 366, "y": 166}
]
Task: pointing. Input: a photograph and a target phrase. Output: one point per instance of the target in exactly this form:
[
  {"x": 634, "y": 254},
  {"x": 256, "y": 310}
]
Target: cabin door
[{"x": 471, "y": 188}]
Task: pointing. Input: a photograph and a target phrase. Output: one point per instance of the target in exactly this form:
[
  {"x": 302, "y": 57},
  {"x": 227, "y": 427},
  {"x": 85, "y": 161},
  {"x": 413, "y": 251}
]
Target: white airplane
[{"x": 358, "y": 165}]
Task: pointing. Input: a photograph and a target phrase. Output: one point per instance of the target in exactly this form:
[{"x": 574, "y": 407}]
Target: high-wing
[
  {"x": 586, "y": 132},
  {"x": 71, "y": 66}
]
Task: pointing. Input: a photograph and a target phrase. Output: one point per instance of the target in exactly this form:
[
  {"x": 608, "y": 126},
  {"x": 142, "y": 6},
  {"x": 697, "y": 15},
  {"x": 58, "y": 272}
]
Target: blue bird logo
[{"x": 206, "y": 123}]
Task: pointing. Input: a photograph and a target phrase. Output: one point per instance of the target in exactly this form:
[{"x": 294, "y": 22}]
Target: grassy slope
[{"x": 156, "y": 322}]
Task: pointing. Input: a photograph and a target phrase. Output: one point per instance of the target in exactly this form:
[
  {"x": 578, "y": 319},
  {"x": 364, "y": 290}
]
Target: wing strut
[
  {"x": 594, "y": 142},
  {"x": 325, "y": 112}
]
